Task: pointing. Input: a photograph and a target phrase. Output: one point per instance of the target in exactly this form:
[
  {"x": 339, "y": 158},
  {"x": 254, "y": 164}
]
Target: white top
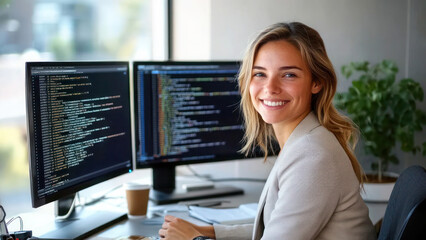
[{"x": 311, "y": 193}]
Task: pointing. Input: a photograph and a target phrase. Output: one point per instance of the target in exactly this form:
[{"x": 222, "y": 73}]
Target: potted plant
[{"x": 385, "y": 111}]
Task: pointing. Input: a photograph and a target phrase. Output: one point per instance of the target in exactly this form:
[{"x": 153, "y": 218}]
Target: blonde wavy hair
[{"x": 312, "y": 49}]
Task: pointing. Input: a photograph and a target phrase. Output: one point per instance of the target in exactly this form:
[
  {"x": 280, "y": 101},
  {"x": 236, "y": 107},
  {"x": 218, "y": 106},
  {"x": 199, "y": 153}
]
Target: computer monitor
[
  {"x": 186, "y": 113},
  {"x": 80, "y": 134}
]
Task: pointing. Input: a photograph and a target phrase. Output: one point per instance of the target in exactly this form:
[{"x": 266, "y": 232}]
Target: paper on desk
[{"x": 245, "y": 213}]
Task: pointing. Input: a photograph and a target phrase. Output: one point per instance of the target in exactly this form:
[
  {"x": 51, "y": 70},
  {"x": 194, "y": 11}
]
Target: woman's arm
[
  {"x": 175, "y": 228},
  {"x": 207, "y": 231}
]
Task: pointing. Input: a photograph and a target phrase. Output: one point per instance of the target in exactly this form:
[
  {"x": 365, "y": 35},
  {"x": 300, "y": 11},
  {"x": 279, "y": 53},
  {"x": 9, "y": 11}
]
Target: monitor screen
[
  {"x": 79, "y": 121},
  {"x": 186, "y": 112}
]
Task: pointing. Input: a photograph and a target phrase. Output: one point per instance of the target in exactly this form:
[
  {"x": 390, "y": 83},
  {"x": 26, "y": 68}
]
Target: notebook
[{"x": 245, "y": 213}]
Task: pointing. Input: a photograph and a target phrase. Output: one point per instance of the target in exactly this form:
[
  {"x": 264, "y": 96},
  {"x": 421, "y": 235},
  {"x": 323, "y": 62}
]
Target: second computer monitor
[{"x": 186, "y": 112}]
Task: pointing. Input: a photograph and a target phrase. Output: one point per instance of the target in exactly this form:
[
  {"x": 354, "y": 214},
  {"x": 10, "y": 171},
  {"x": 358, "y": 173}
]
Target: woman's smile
[{"x": 274, "y": 103}]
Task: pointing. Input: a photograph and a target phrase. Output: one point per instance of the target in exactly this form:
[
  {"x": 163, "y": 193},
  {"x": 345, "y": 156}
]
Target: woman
[{"x": 287, "y": 84}]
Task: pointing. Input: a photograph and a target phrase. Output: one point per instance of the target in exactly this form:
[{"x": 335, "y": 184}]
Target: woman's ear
[{"x": 316, "y": 87}]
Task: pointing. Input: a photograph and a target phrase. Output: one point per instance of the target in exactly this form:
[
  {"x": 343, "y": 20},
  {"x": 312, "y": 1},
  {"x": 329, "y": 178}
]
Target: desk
[
  {"x": 252, "y": 192},
  {"x": 151, "y": 226},
  {"x": 128, "y": 227}
]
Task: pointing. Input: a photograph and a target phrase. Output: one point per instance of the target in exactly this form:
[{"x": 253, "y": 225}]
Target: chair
[{"x": 405, "y": 215}]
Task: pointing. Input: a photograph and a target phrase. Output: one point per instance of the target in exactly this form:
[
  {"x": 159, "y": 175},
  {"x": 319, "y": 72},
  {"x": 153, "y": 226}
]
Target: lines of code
[
  {"x": 192, "y": 110},
  {"x": 82, "y": 127},
  {"x": 188, "y": 113}
]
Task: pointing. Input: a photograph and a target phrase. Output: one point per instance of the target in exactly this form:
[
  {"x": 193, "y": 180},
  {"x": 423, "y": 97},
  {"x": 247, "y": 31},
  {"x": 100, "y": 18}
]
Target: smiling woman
[
  {"x": 287, "y": 85},
  {"x": 49, "y": 30},
  {"x": 281, "y": 87}
]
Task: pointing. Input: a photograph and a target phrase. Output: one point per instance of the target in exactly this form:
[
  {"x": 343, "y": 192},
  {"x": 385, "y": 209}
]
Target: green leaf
[
  {"x": 346, "y": 71},
  {"x": 354, "y": 91},
  {"x": 376, "y": 96},
  {"x": 389, "y": 67},
  {"x": 359, "y": 85},
  {"x": 361, "y": 66}
]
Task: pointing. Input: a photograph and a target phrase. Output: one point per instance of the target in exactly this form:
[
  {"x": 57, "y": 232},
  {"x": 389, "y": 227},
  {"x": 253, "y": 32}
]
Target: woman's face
[{"x": 281, "y": 85}]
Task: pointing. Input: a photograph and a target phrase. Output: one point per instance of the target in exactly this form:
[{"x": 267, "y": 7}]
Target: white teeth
[{"x": 273, "y": 104}]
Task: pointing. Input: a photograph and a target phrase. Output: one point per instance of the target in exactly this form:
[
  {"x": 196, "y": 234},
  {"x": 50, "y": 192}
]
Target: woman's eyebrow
[
  {"x": 259, "y": 68},
  {"x": 290, "y": 67},
  {"x": 281, "y": 68}
]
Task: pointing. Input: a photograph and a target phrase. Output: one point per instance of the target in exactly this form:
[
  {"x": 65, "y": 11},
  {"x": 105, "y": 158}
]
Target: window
[{"x": 52, "y": 30}]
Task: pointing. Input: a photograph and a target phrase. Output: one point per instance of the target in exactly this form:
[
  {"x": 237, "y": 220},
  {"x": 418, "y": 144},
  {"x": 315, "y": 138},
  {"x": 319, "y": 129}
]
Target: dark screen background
[{"x": 81, "y": 132}]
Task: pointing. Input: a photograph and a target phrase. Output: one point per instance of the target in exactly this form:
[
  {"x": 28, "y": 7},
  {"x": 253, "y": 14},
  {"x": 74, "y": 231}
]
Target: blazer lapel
[
  {"x": 258, "y": 222},
  {"x": 305, "y": 126}
]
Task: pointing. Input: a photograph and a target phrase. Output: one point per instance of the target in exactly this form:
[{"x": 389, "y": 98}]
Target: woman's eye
[
  {"x": 289, "y": 75},
  {"x": 258, "y": 74}
]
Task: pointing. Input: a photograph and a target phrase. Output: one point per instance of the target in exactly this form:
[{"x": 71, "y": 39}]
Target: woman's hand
[{"x": 175, "y": 228}]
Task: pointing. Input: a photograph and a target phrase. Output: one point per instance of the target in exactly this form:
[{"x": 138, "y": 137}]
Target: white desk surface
[
  {"x": 151, "y": 225},
  {"x": 252, "y": 192}
]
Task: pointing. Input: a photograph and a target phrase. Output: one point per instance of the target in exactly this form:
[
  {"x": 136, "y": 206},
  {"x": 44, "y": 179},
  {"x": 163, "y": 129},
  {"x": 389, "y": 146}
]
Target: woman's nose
[{"x": 272, "y": 85}]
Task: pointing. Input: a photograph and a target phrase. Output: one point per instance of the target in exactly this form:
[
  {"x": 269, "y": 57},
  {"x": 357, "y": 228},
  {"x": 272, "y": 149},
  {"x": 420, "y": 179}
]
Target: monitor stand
[
  {"x": 81, "y": 222},
  {"x": 165, "y": 192}
]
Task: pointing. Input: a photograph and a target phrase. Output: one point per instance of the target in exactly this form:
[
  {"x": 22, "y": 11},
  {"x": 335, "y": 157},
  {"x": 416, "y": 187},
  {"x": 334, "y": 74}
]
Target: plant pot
[{"x": 378, "y": 191}]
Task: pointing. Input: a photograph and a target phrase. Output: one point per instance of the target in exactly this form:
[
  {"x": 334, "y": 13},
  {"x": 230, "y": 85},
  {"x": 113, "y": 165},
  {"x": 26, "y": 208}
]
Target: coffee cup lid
[{"x": 135, "y": 186}]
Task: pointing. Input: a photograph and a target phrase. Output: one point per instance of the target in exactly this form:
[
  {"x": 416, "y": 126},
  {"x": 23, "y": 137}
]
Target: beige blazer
[{"x": 311, "y": 193}]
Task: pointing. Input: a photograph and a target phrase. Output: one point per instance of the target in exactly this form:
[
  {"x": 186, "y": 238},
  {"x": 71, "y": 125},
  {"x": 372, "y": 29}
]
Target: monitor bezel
[
  {"x": 164, "y": 164},
  {"x": 37, "y": 201}
]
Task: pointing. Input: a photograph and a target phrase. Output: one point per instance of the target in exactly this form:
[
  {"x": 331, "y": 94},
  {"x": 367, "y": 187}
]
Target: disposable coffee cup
[{"x": 137, "y": 196}]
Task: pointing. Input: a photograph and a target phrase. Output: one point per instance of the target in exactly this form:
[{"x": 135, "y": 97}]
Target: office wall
[
  {"x": 191, "y": 29},
  {"x": 360, "y": 30}
]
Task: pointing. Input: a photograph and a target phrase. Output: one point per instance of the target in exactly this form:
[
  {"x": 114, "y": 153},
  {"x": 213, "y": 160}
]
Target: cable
[
  {"x": 20, "y": 221},
  {"x": 70, "y": 211},
  {"x": 206, "y": 176}
]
